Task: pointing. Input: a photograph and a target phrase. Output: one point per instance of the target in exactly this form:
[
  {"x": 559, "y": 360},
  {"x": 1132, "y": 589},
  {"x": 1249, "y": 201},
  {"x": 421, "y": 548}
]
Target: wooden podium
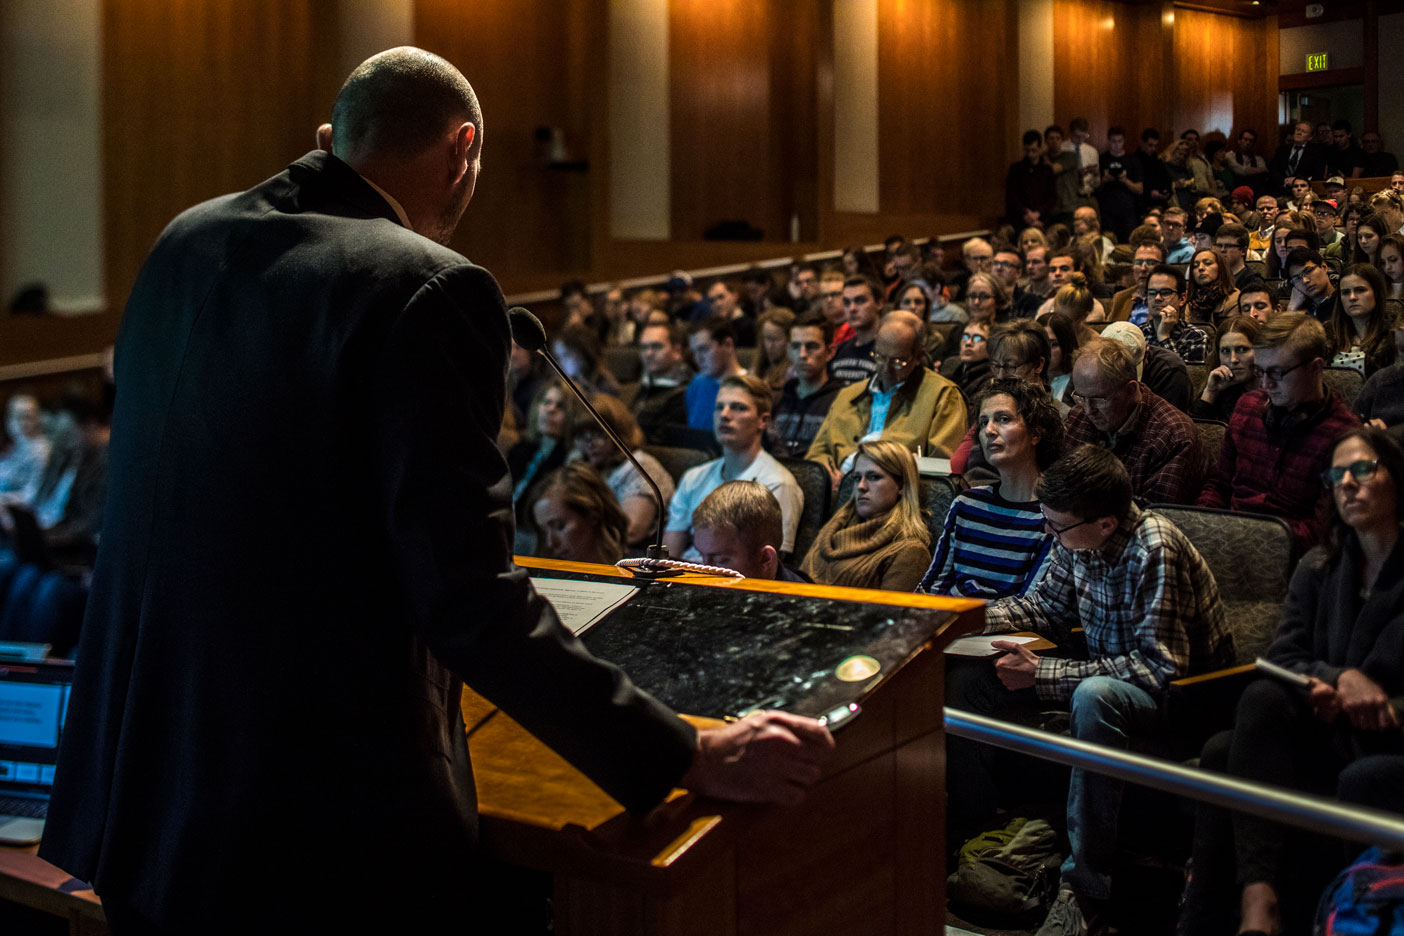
[{"x": 865, "y": 853}]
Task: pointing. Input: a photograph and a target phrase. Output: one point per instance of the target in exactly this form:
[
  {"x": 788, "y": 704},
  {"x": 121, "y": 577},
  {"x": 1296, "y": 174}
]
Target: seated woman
[
  {"x": 1075, "y": 301},
  {"x": 1062, "y": 348},
  {"x": 994, "y": 543},
  {"x": 1359, "y": 328},
  {"x": 1343, "y": 628},
  {"x": 1392, "y": 264},
  {"x": 634, "y": 495},
  {"x": 545, "y": 442},
  {"x": 878, "y": 539},
  {"x": 1381, "y": 400},
  {"x": 970, "y": 369},
  {"x": 577, "y": 518},
  {"x": 1017, "y": 349},
  {"x": 22, "y": 464},
  {"x": 577, "y": 347},
  {"x": 1234, "y": 375},
  {"x": 1210, "y": 297},
  {"x": 773, "y": 349}
]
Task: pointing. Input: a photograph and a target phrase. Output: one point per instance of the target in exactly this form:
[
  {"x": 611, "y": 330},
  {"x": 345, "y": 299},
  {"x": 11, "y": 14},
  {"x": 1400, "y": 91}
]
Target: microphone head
[{"x": 527, "y": 330}]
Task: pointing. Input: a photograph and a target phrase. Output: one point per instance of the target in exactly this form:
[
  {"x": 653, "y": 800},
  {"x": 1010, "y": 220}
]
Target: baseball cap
[{"x": 1132, "y": 339}]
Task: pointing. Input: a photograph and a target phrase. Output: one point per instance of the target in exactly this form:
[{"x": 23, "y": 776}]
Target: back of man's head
[
  {"x": 397, "y": 103},
  {"x": 748, "y": 512},
  {"x": 1088, "y": 482}
]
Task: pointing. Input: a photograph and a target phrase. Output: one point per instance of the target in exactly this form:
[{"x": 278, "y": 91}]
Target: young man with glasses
[
  {"x": 904, "y": 402},
  {"x": 1130, "y": 304},
  {"x": 1280, "y": 435},
  {"x": 1165, "y": 326},
  {"x": 1178, "y": 247},
  {"x": 1231, "y": 240},
  {"x": 1156, "y": 442},
  {"x": 1313, "y": 291},
  {"x": 1150, "y": 611}
]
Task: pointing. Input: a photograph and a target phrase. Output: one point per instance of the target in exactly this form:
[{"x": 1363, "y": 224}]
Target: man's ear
[
  {"x": 769, "y": 561},
  {"x": 324, "y": 138},
  {"x": 463, "y": 138}
]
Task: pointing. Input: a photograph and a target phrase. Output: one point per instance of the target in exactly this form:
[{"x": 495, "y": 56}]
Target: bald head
[{"x": 399, "y": 103}]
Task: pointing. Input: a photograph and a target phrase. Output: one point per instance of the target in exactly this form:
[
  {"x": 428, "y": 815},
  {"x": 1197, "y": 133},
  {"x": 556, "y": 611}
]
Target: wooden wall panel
[
  {"x": 1109, "y": 66},
  {"x": 202, "y": 97},
  {"x": 1225, "y": 75},
  {"x": 525, "y": 62},
  {"x": 947, "y": 86},
  {"x": 725, "y": 157}
]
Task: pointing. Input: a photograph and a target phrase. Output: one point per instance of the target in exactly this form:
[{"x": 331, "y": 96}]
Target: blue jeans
[{"x": 1115, "y": 713}]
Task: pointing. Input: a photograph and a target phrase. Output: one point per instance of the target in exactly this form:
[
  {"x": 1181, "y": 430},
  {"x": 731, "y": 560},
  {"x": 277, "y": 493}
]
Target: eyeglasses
[
  {"x": 1275, "y": 374},
  {"x": 973, "y": 339},
  {"x": 1161, "y": 293},
  {"x": 1144, "y": 262},
  {"x": 1304, "y": 274},
  {"x": 1006, "y": 367},
  {"x": 1231, "y": 245},
  {"x": 1361, "y": 471},
  {"x": 882, "y": 360},
  {"x": 1005, "y": 264},
  {"x": 1096, "y": 401},
  {"x": 1057, "y": 531},
  {"x": 979, "y": 297}
]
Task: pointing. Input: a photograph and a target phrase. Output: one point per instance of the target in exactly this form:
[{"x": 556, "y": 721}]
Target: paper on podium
[
  {"x": 982, "y": 645},
  {"x": 582, "y": 604}
]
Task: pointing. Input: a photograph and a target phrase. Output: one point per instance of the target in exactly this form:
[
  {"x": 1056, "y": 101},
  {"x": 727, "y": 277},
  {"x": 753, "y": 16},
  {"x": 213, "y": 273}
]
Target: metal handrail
[{"x": 1315, "y": 813}]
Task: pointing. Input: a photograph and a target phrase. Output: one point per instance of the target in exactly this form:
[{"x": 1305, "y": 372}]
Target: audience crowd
[{"x": 1190, "y": 324}]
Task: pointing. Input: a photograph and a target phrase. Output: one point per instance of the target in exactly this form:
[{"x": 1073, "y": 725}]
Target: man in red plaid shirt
[{"x": 1280, "y": 435}]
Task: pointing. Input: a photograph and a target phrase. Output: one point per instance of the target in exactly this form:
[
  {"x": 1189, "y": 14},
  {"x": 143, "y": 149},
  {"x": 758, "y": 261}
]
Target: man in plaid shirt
[
  {"x": 1280, "y": 436},
  {"x": 1150, "y": 612},
  {"x": 1156, "y": 442}
]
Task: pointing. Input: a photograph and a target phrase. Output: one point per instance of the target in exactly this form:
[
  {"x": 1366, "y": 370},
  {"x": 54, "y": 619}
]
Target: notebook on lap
[{"x": 33, "y": 705}]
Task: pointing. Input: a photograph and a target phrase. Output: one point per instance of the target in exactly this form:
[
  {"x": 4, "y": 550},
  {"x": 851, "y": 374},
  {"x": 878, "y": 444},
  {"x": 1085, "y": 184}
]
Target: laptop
[{"x": 33, "y": 706}]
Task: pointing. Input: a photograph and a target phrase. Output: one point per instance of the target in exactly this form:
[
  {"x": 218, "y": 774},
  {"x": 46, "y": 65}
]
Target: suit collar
[{"x": 320, "y": 171}]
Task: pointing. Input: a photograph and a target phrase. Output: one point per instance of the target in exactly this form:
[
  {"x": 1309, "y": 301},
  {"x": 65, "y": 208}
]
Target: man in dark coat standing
[{"x": 307, "y": 547}]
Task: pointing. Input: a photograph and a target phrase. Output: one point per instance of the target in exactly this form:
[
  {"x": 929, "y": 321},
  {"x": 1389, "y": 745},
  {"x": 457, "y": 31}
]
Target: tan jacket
[{"x": 927, "y": 411}]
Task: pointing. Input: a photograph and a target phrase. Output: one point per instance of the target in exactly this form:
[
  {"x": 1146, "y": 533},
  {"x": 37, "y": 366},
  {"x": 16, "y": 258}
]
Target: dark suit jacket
[
  {"x": 1311, "y": 165},
  {"x": 306, "y": 547}
]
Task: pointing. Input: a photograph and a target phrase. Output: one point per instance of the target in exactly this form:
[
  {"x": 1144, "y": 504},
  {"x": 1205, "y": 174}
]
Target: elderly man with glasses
[
  {"x": 1150, "y": 612},
  {"x": 1156, "y": 442},
  {"x": 903, "y": 401},
  {"x": 1280, "y": 436}
]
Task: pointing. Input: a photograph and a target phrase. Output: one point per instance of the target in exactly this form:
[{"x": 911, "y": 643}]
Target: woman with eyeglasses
[
  {"x": 970, "y": 369},
  {"x": 1211, "y": 296},
  {"x": 994, "y": 543},
  {"x": 986, "y": 299},
  {"x": 1233, "y": 376},
  {"x": 1343, "y": 630},
  {"x": 1359, "y": 330},
  {"x": 1018, "y": 349},
  {"x": 878, "y": 539}
]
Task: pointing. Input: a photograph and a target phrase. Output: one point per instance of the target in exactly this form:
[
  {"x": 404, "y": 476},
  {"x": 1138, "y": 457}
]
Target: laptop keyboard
[{"x": 24, "y": 807}]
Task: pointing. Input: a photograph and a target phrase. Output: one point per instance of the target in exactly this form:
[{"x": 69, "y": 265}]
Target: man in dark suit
[
  {"x": 1298, "y": 158},
  {"x": 306, "y": 548}
]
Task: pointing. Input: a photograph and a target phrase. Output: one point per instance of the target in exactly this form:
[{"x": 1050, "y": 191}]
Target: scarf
[
  {"x": 1204, "y": 304},
  {"x": 854, "y": 555}
]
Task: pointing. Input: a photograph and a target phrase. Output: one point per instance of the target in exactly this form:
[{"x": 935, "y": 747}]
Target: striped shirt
[
  {"x": 990, "y": 548},
  {"x": 1147, "y": 603}
]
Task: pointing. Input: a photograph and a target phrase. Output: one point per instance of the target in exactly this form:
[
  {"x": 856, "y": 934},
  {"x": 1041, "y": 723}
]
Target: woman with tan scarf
[{"x": 878, "y": 539}]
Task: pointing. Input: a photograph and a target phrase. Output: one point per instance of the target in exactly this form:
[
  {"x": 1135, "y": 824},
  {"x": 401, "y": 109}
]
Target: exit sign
[{"x": 1318, "y": 61}]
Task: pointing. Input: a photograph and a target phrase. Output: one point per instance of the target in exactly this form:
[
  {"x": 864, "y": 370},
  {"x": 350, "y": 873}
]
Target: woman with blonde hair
[
  {"x": 1031, "y": 237},
  {"x": 878, "y": 539},
  {"x": 1075, "y": 301},
  {"x": 986, "y": 299},
  {"x": 577, "y": 518}
]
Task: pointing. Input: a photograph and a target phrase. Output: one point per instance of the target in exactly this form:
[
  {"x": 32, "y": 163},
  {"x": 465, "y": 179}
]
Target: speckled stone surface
[{"x": 723, "y": 651}]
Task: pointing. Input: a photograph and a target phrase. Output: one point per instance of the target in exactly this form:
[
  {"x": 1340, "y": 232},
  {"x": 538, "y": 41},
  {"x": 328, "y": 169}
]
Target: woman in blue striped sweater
[{"x": 994, "y": 544}]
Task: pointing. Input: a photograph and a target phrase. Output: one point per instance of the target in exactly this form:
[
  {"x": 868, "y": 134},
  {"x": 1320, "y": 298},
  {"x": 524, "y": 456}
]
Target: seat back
[
  {"x": 1257, "y": 266},
  {"x": 746, "y": 357},
  {"x": 1251, "y": 557},
  {"x": 1198, "y": 377},
  {"x": 677, "y": 460},
  {"x": 1211, "y": 440},
  {"x": 937, "y": 494},
  {"x": 623, "y": 362},
  {"x": 1346, "y": 381},
  {"x": 813, "y": 479}
]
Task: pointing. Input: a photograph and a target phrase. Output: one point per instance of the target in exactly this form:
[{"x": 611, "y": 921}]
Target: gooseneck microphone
[{"x": 528, "y": 333}]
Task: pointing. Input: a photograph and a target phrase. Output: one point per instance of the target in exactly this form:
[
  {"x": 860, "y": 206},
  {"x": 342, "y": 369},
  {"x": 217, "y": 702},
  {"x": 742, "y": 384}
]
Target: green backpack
[{"x": 1008, "y": 873}]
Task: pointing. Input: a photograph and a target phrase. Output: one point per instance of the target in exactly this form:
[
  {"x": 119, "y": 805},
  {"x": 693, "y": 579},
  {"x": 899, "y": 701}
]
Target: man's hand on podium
[{"x": 768, "y": 757}]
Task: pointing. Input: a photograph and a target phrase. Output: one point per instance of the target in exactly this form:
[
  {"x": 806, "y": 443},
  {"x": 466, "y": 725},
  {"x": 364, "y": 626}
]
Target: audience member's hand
[
  {"x": 1016, "y": 668},
  {"x": 768, "y": 757},
  {"x": 1219, "y": 378},
  {"x": 1324, "y": 701},
  {"x": 1364, "y": 702},
  {"x": 1377, "y": 423},
  {"x": 835, "y": 476}
]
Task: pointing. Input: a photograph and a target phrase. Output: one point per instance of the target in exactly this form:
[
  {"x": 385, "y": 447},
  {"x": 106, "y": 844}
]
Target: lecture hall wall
[{"x": 202, "y": 97}]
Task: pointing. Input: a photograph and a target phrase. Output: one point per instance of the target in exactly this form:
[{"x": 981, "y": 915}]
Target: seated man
[
  {"x": 1061, "y": 266},
  {"x": 1279, "y": 438},
  {"x": 1130, "y": 304},
  {"x": 1150, "y": 612},
  {"x": 1157, "y": 442},
  {"x": 804, "y": 401},
  {"x": 1161, "y": 369},
  {"x": 1178, "y": 247},
  {"x": 862, "y": 307},
  {"x": 742, "y": 413},
  {"x": 713, "y": 342},
  {"x": 1257, "y": 302},
  {"x": 659, "y": 400},
  {"x": 1166, "y": 327},
  {"x": 1232, "y": 241},
  {"x": 1312, "y": 289},
  {"x": 739, "y": 527},
  {"x": 903, "y": 402},
  {"x": 1035, "y": 279},
  {"x": 831, "y": 305}
]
